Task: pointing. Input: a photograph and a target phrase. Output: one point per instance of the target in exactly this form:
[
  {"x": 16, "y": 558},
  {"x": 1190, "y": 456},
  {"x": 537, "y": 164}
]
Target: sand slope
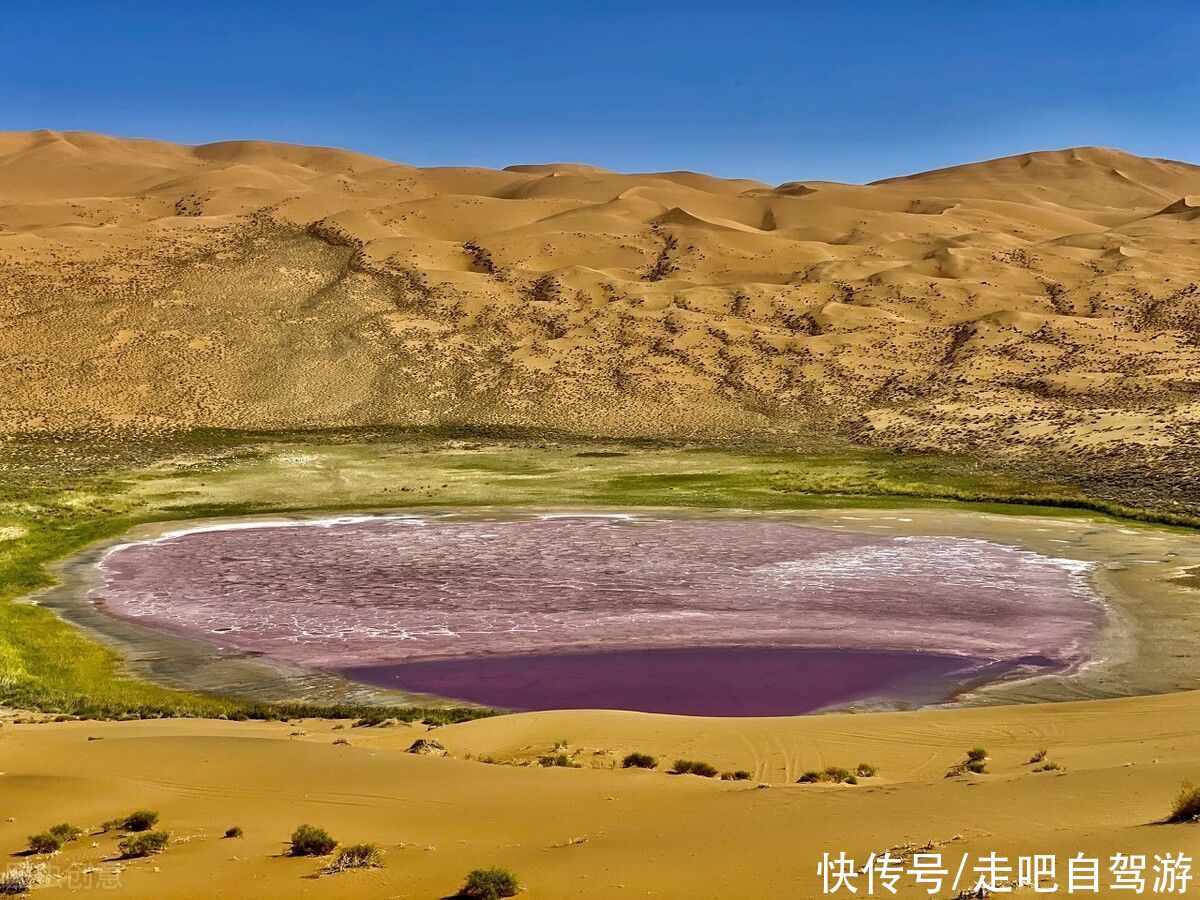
[
  {"x": 599, "y": 832},
  {"x": 1046, "y": 300}
]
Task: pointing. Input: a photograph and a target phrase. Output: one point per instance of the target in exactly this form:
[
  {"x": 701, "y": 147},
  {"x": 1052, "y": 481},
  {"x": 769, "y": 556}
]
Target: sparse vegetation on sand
[
  {"x": 45, "y": 842},
  {"x": 1186, "y": 807},
  {"x": 356, "y": 856},
  {"x": 692, "y": 767},
  {"x": 52, "y": 839},
  {"x": 234, "y": 832},
  {"x": 309, "y": 840},
  {"x": 975, "y": 762},
  {"x": 140, "y": 820},
  {"x": 557, "y": 761},
  {"x": 144, "y": 843},
  {"x": 17, "y": 880},
  {"x": 66, "y": 832},
  {"x": 489, "y": 884},
  {"x": 639, "y": 761},
  {"x": 836, "y": 775},
  {"x": 737, "y": 775}
]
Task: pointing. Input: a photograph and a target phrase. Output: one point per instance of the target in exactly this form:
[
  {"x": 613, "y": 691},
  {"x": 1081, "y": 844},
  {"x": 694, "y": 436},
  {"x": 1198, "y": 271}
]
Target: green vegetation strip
[{"x": 57, "y": 498}]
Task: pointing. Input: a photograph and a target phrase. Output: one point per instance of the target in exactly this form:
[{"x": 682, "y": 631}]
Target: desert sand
[
  {"x": 1036, "y": 302},
  {"x": 597, "y": 831}
]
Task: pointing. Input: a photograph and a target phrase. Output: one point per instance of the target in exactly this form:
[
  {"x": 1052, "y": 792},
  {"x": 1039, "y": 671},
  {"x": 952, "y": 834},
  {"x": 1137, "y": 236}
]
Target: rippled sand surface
[{"x": 361, "y": 592}]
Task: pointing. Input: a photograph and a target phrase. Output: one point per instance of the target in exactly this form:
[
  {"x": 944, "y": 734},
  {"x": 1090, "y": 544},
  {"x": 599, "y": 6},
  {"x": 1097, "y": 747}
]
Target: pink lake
[{"x": 498, "y": 610}]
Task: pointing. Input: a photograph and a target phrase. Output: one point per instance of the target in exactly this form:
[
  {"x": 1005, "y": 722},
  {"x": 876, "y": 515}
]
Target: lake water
[{"x": 700, "y": 615}]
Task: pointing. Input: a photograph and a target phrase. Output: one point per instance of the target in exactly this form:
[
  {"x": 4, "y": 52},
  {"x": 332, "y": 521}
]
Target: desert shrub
[
  {"x": 143, "y": 843},
  {"x": 309, "y": 840},
  {"x": 1037, "y": 757},
  {"x": 978, "y": 766},
  {"x": 1049, "y": 767},
  {"x": 356, "y": 856},
  {"x": 65, "y": 832},
  {"x": 140, "y": 820},
  {"x": 1187, "y": 804},
  {"x": 692, "y": 767},
  {"x": 977, "y": 754},
  {"x": 832, "y": 775},
  {"x": 865, "y": 770},
  {"x": 17, "y": 880},
  {"x": 45, "y": 843},
  {"x": 639, "y": 761},
  {"x": 739, "y": 775},
  {"x": 557, "y": 761},
  {"x": 234, "y": 832},
  {"x": 836, "y": 774},
  {"x": 490, "y": 884}
]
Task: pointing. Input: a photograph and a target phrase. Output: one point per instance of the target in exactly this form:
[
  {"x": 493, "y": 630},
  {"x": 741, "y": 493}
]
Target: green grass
[{"x": 56, "y": 498}]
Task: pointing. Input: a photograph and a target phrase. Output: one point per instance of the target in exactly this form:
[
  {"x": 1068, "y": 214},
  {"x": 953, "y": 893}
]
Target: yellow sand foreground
[{"x": 596, "y": 831}]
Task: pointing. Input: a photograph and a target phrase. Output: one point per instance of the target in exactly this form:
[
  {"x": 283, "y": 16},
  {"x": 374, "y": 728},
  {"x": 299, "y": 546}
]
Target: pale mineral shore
[{"x": 1149, "y": 643}]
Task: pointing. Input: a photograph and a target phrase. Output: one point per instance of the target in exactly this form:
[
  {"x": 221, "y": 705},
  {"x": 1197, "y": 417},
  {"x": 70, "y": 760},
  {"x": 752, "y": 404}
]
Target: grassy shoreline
[{"x": 48, "y": 513}]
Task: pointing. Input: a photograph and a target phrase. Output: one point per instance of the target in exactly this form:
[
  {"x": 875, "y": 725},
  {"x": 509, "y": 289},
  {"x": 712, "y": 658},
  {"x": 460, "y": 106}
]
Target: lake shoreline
[{"x": 1124, "y": 659}]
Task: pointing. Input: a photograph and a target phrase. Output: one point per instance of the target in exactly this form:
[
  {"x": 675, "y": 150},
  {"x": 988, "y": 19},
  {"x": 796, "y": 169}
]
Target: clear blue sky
[{"x": 846, "y": 91}]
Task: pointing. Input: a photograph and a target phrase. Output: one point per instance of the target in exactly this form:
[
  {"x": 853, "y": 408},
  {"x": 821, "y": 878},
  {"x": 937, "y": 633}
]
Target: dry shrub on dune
[{"x": 1187, "y": 804}]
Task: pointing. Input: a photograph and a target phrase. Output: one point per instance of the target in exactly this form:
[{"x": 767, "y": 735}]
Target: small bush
[
  {"x": 356, "y": 856},
  {"x": 557, "y": 761},
  {"x": 140, "y": 820},
  {"x": 1187, "y": 804},
  {"x": 17, "y": 880},
  {"x": 1049, "y": 767},
  {"x": 143, "y": 844},
  {"x": 1037, "y": 757},
  {"x": 234, "y": 832},
  {"x": 45, "y": 843},
  {"x": 739, "y": 775},
  {"x": 836, "y": 774},
  {"x": 639, "y": 761},
  {"x": 978, "y": 766},
  {"x": 977, "y": 754},
  {"x": 65, "y": 832},
  {"x": 691, "y": 767},
  {"x": 490, "y": 884},
  {"x": 309, "y": 840},
  {"x": 865, "y": 770}
]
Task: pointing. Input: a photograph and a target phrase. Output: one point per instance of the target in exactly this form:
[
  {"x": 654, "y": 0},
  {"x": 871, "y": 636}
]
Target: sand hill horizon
[{"x": 1043, "y": 301}]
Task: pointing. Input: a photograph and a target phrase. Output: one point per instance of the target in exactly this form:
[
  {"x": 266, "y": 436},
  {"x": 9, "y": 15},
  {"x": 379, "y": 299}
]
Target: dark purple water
[
  {"x": 545, "y": 610},
  {"x": 707, "y": 681}
]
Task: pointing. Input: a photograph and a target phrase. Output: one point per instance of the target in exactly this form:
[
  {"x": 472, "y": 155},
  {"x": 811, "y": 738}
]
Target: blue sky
[{"x": 845, "y": 91}]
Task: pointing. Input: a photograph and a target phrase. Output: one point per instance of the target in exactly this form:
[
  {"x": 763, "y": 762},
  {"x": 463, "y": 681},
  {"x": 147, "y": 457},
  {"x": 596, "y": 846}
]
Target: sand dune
[
  {"x": 147, "y": 285},
  {"x": 599, "y": 831}
]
